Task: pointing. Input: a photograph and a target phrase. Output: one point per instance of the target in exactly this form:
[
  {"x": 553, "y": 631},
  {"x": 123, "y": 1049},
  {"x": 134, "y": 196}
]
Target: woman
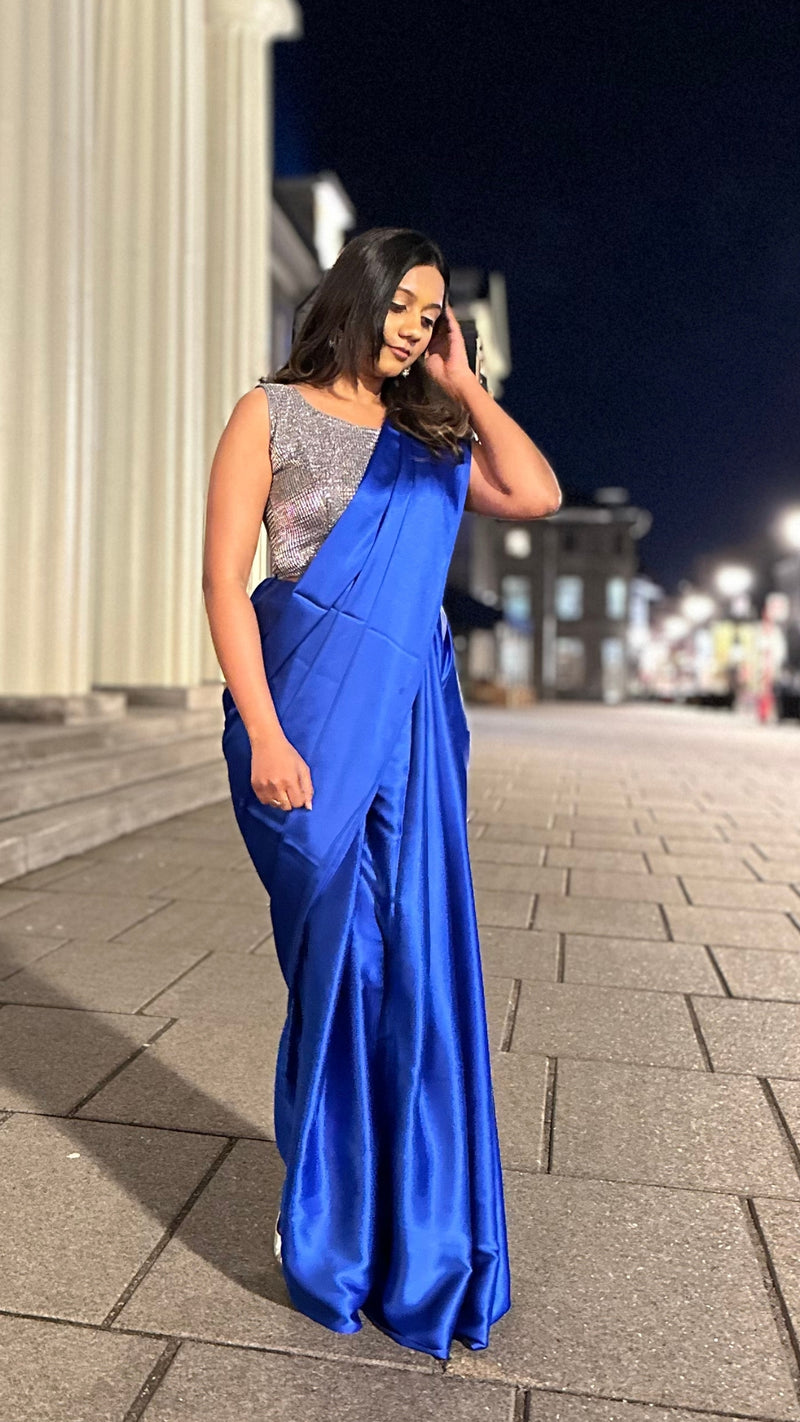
[{"x": 347, "y": 746}]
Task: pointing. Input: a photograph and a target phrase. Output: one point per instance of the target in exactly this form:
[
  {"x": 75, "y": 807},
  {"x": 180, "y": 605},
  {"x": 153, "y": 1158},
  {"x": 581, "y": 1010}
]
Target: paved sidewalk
[{"x": 637, "y": 873}]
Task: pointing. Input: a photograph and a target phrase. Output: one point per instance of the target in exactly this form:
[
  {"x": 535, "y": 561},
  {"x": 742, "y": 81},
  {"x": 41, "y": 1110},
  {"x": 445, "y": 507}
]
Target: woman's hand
[
  {"x": 279, "y": 773},
  {"x": 446, "y": 357}
]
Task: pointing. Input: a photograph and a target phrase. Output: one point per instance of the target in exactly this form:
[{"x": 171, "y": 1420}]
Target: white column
[
  {"x": 46, "y": 415},
  {"x": 240, "y": 34},
  {"x": 150, "y": 244}
]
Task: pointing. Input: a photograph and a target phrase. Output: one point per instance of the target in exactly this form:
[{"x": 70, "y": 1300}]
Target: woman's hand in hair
[
  {"x": 446, "y": 358},
  {"x": 278, "y": 771}
]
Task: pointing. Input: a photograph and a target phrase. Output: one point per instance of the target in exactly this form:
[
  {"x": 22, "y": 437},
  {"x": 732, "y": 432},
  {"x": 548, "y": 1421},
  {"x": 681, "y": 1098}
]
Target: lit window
[
  {"x": 570, "y": 664},
  {"x": 616, "y": 589},
  {"x": 569, "y": 597},
  {"x": 517, "y": 543}
]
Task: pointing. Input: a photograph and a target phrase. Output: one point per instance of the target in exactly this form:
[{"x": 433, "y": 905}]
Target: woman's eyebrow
[{"x": 409, "y": 292}]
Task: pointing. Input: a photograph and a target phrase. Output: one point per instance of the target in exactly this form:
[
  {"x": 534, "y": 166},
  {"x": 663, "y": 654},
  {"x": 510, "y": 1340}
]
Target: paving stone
[
  {"x": 492, "y": 851},
  {"x": 519, "y": 952},
  {"x": 605, "y": 883},
  {"x": 114, "y": 977},
  {"x": 696, "y": 1130},
  {"x": 616, "y": 917},
  {"x": 56, "y": 1373},
  {"x": 727, "y": 893},
  {"x": 125, "y": 878},
  {"x": 516, "y": 813},
  {"x": 66, "y": 915},
  {"x": 702, "y": 867},
  {"x": 505, "y": 908},
  {"x": 754, "y": 1038},
  {"x": 235, "y": 930},
  {"x": 209, "y": 1075},
  {"x": 693, "y": 829},
  {"x": 700, "y": 848},
  {"x": 223, "y": 985},
  {"x": 737, "y": 928},
  {"x": 780, "y": 1222},
  {"x": 171, "y": 855},
  {"x": 54, "y": 873},
  {"x": 18, "y": 949},
  {"x": 522, "y": 878},
  {"x": 76, "y": 1230},
  {"x": 607, "y": 1023},
  {"x": 221, "y": 886},
  {"x": 212, "y": 1384},
  {"x": 12, "y": 899},
  {"x": 51, "y": 1057},
  {"x": 627, "y": 1290},
  {"x": 623, "y": 823},
  {"x": 497, "y": 994},
  {"x": 787, "y": 1094},
  {"x": 504, "y": 832},
  {"x": 217, "y": 1278},
  {"x": 606, "y": 859},
  {"x": 519, "y": 1086},
  {"x": 778, "y": 871},
  {"x": 551, "y": 1407},
  {"x": 621, "y": 843},
  {"x": 639, "y": 963},
  {"x": 752, "y": 972}
]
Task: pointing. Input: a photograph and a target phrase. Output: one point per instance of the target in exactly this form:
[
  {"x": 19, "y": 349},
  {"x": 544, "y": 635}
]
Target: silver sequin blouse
[{"x": 318, "y": 462}]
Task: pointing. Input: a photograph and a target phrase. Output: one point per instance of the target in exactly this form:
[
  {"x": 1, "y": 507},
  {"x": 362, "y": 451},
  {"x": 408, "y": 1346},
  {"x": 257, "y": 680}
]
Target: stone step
[
  {"x": 23, "y": 743},
  {"x": 45, "y": 836}
]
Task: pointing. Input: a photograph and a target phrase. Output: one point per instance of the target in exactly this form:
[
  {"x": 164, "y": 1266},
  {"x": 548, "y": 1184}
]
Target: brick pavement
[{"x": 637, "y": 874}]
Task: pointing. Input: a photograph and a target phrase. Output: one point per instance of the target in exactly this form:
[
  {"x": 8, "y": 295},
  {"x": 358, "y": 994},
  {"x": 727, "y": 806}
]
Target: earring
[{"x": 407, "y": 370}]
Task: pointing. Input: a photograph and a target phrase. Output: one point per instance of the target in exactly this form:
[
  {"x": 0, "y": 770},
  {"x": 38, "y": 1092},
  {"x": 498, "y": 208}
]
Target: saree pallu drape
[{"x": 392, "y": 1203}]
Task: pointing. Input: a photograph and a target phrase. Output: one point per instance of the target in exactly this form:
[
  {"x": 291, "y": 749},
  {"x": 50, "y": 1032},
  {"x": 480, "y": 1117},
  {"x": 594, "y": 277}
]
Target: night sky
[{"x": 634, "y": 171}]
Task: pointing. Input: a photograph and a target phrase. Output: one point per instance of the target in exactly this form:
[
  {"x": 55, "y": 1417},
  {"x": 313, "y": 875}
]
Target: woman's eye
[{"x": 396, "y": 306}]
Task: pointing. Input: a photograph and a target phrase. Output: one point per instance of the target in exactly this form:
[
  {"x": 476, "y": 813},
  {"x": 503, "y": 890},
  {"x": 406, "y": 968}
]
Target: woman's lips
[{"x": 403, "y": 355}]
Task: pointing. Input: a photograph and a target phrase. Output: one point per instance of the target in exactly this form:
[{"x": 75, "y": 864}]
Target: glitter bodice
[{"x": 318, "y": 461}]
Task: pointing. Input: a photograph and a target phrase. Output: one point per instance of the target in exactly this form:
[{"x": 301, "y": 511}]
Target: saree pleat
[{"x": 392, "y": 1203}]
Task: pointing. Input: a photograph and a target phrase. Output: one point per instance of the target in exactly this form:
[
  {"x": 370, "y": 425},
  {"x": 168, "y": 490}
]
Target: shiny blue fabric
[{"x": 392, "y": 1202}]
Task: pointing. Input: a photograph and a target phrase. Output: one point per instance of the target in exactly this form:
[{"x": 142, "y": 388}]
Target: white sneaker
[{"x": 276, "y": 1241}]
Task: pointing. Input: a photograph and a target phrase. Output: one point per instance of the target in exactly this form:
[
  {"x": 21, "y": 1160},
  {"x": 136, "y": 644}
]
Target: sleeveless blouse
[{"x": 318, "y": 462}]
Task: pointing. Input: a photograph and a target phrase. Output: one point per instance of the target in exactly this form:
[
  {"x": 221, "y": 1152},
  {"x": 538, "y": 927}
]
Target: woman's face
[{"x": 416, "y": 303}]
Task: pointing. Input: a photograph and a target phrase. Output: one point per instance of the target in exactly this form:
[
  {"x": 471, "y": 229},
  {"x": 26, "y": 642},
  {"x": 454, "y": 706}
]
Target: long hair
[{"x": 342, "y": 331}]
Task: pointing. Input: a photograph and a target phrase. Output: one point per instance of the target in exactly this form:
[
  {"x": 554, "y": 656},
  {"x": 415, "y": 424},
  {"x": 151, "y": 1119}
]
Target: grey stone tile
[
  {"x": 519, "y": 1085},
  {"x": 607, "y": 884},
  {"x": 701, "y": 848},
  {"x": 620, "y": 843},
  {"x": 701, "y": 867},
  {"x": 11, "y": 900},
  {"x": 234, "y": 929},
  {"x": 492, "y": 851},
  {"x": 515, "y": 813},
  {"x": 217, "y": 1278},
  {"x": 737, "y": 928},
  {"x": 727, "y": 893},
  {"x": 54, "y": 873},
  {"x": 223, "y": 985},
  {"x": 57, "y": 1373},
  {"x": 751, "y": 1038},
  {"x": 521, "y": 878},
  {"x": 787, "y": 1094},
  {"x": 497, "y": 995},
  {"x": 688, "y": 1129},
  {"x": 523, "y": 834},
  {"x": 639, "y": 963},
  {"x": 213, "y": 1384},
  {"x": 611, "y": 1024},
  {"x": 616, "y": 917},
  {"x": 19, "y": 949},
  {"x": 130, "y": 879},
  {"x": 780, "y": 1221},
  {"x": 519, "y": 952},
  {"x": 551, "y": 1407},
  {"x": 692, "y": 830},
  {"x": 169, "y": 857},
  {"x": 83, "y": 1205},
  {"x": 505, "y": 908},
  {"x": 61, "y": 914},
  {"x": 776, "y": 871},
  {"x": 615, "y": 860},
  {"x": 222, "y": 886},
  {"x": 112, "y": 977},
  {"x": 637, "y": 1291},
  {"x": 752, "y": 972},
  {"x": 623, "y": 823},
  {"x": 206, "y": 1074},
  {"x": 52, "y": 1056}
]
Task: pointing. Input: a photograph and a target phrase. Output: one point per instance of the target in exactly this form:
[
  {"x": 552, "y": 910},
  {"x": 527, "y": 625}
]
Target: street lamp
[{"x": 697, "y": 606}]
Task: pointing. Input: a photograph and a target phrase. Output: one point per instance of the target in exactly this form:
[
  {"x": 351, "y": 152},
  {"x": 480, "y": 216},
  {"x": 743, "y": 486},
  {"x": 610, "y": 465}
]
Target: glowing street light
[
  {"x": 697, "y": 606},
  {"x": 789, "y": 527},
  {"x": 733, "y": 579}
]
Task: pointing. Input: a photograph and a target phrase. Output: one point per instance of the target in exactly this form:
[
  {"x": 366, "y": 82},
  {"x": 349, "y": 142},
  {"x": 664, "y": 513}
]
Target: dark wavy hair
[{"x": 342, "y": 330}]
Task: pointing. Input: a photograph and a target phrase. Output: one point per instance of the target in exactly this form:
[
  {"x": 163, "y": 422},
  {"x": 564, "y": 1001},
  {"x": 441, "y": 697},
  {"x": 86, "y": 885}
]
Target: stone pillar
[
  {"x": 46, "y": 391},
  {"x": 239, "y": 41},
  {"x": 150, "y": 340}
]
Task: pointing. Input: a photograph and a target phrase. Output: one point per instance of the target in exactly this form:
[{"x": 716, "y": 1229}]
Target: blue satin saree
[{"x": 392, "y": 1203}]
